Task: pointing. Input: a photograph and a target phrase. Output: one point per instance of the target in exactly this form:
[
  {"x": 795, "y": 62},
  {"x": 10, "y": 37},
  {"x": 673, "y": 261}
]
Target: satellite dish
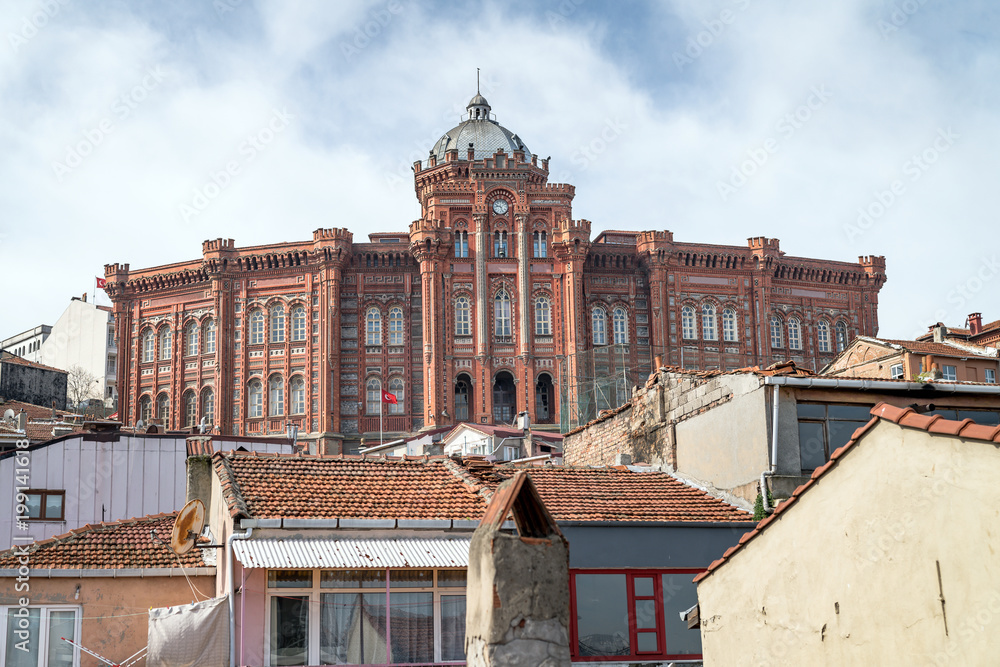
[
  {"x": 187, "y": 526},
  {"x": 8, "y": 414},
  {"x": 139, "y": 424}
]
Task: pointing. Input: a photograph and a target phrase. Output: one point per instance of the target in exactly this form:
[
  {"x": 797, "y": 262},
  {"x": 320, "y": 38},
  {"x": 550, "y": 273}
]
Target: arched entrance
[
  {"x": 543, "y": 399},
  {"x": 504, "y": 398},
  {"x": 463, "y": 390}
]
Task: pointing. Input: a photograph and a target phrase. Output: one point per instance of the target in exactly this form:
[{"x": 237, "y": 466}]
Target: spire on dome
[{"x": 478, "y": 107}]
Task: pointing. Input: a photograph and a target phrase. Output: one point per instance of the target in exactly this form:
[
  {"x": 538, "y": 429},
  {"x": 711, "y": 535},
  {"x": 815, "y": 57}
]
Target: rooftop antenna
[{"x": 477, "y": 81}]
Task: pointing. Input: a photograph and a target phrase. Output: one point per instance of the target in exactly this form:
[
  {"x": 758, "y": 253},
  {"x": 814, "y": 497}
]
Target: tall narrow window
[
  {"x": 461, "y": 244},
  {"x": 149, "y": 346},
  {"x": 277, "y": 324},
  {"x": 208, "y": 406},
  {"x": 255, "y": 399},
  {"x": 163, "y": 409},
  {"x": 841, "y": 336},
  {"x": 298, "y": 323},
  {"x": 541, "y": 245},
  {"x": 501, "y": 315},
  {"x": 709, "y": 331},
  {"x": 729, "y": 332},
  {"x": 373, "y": 396},
  {"x": 275, "y": 396},
  {"x": 396, "y": 389},
  {"x": 599, "y": 321},
  {"x": 462, "y": 317},
  {"x": 191, "y": 339},
  {"x": 190, "y": 408},
  {"x": 688, "y": 329},
  {"x": 257, "y": 327},
  {"x": 297, "y": 389},
  {"x": 621, "y": 326},
  {"x": 373, "y": 327},
  {"x": 543, "y": 326},
  {"x": 145, "y": 409},
  {"x": 395, "y": 326},
  {"x": 823, "y": 335},
  {"x": 500, "y": 244},
  {"x": 794, "y": 333},
  {"x": 210, "y": 337},
  {"x": 777, "y": 338},
  {"x": 166, "y": 342}
]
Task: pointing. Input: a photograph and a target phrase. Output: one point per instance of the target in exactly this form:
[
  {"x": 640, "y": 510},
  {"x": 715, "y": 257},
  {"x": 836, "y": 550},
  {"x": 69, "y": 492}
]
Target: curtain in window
[
  {"x": 352, "y": 628},
  {"x": 411, "y": 627}
]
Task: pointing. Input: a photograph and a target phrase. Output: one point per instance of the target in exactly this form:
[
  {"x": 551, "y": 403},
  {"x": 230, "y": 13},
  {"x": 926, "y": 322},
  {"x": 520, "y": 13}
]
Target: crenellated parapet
[
  {"x": 429, "y": 239},
  {"x": 571, "y": 238},
  {"x": 654, "y": 247},
  {"x": 333, "y": 245}
]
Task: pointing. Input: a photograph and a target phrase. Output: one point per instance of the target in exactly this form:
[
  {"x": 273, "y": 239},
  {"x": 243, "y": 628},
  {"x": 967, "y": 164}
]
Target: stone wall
[{"x": 39, "y": 386}]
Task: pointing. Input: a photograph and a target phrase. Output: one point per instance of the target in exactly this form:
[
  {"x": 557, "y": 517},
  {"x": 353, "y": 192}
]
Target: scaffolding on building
[{"x": 597, "y": 379}]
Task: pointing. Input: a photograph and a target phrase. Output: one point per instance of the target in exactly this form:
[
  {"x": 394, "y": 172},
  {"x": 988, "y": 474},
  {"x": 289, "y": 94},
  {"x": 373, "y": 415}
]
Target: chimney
[
  {"x": 199, "y": 469},
  {"x": 22, "y": 421},
  {"x": 975, "y": 323},
  {"x": 658, "y": 359},
  {"x": 940, "y": 331},
  {"x": 84, "y": 297}
]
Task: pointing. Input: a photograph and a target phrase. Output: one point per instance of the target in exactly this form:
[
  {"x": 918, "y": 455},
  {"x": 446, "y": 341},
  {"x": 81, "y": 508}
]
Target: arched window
[
  {"x": 794, "y": 333},
  {"x": 297, "y": 388},
  {"x": 191, "y": 339},
  {"x": 275, "y": 396},
  {"x": 823, "y": 335},
  {"x": 373, "y": 327},
  {"x": 396, "y": 326},
  {"x": 163, "y": 409},
  {"x": 298, "y": 323},
  {"x": 500, "y": 244},
  {"x": 257, "y": 327},
  {"x": 709, "y": 331},
  {"x": 255, "y": 399},
  {"x": 373, "y": 396},
  {"x": 148, "y": 346},
  {"x": 166, "y": 342},
  {"x": 501, "y": 315},
  {"x": 621, "y": 326},
  {"x": 777, "y": 338},
  {"x": 729, "y": 333},
  {"x": 461, "y": 244},
  {"x": 543, "y": 321},
  {"x": 208, "y": 405},
  {"x": 209, "y": 337},
  {"x": 277, "y": 324},
  {"x": 462, "y": 385},
  {"x": 462, "y": 317},
  {"x": 190, "y": 408},
  {"x": 145, "y": 409},
  {"x": 599, "y": 321},
  {"x": 688, "y": 329},
  {"x": 396, "y": 389},
  {"x": 841, "y": 336},
  {"x": 541, "y": 247}
]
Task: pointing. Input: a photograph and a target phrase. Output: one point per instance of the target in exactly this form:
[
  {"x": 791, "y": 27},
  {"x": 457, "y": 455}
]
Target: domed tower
[{"x": 493, "y": 287}]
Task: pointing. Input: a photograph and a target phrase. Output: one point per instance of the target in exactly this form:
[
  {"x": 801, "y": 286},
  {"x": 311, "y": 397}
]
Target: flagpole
[{"x": 381, "y": 402}]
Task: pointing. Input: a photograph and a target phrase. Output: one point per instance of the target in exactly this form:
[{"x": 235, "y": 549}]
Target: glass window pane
[
  {"x": 61, "y": 624},
  {"x": 53, "y": 506},
  {"x": 289, "y": 630},
  {"x": 643, "y": 586},
  {"x": 855, "y": 412},
  {"x": 602, "y": 614},
  {"x": 15, "y": 656},
  {"x": 841, "y": 432},
  {"x": 812, "y": 438},
  {"x": 289, "y": 578},
  {"x": 946, "y": 414},
  {"x": 411, "y": 579},
  {"x": 645, "y": 614},
  {"x": 679, "y": 594},
  {"x": 34, "y": 505},
  {"x": 352, "y": 628},
  {"x": 811, "y": 411},
  {"x": 452, "y": 578},
  {"x": 411, "y": 626},
  {"x": 980, "y": 417},
  {"x": 352, "y": 579},
  {"x": 646, "y": 642},
  {"x": 453, "y": 627}
]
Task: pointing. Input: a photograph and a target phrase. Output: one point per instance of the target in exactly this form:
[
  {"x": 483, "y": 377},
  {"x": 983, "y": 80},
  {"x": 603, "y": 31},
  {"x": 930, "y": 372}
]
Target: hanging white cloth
[{"x": 192, "y": 635}]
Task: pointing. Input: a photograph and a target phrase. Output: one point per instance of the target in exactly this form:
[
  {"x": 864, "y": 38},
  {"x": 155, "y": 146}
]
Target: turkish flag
[
  {"x": 101, "y": 282},
  {"x": 388, "y": 398}
]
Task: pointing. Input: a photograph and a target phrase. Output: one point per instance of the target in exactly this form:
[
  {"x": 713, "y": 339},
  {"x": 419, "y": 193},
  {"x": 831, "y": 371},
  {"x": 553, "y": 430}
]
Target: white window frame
[
  {"x": 275, "y": 395},
  {"x": 397, "y": 389},
  {"x": 209, "y": 342},
  {"x": 619, "y": 320},
  {"x": 297, "y": 395},
  {"x": 166, "y": 336},
  {"x": 896, "y": 372},
  {"x": 373, "y": 396},
  {"x": 255, "y": 398},
  {"x": 461, "y": 244},
  {"x": 709, "y": 329},
  {"x": 207, "y": 400},
  {"x": 541, "y": 245},
  {"x": 949, "y": 373},
  {"x": 276, "y": 323},
  {"x": 373, "y": 327},
  {"x": 689, "y": 330},
  {"x": 794, "y": 334},
  {"x": 599, "y": 324},
  {"x": 990, "y": 375},
  {"x": 823, "y": 335},
  {"x": 191, "y": 343},
  {"x": 44, "y": 628},
  {"x": 502, "y": 315},
  {"x": 256, "y": 320},
  {"x": 543, "y": 316},
  {"x": 463, "y": 316},
  {"x": 730, "y": 328},
  {"x": 777, "y": 333},
  {"x": 395, "y": 326},
  {"x": 298, "y": 323}
]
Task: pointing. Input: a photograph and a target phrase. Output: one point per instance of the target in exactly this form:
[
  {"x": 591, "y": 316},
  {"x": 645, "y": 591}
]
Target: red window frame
[{"x": 631, "y": 575}]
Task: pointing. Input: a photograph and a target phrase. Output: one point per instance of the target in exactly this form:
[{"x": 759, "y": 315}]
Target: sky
[{"x": 130, "y": 132}]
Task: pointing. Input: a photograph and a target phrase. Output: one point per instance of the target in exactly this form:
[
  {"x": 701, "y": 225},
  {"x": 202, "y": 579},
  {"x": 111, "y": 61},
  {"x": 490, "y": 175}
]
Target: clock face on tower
[{"x": 500, "y": 206}]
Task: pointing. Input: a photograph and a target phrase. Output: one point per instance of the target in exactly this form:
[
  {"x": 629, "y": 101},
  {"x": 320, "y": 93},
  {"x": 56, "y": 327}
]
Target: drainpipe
[
  {"x": 774, "y": 449},
  {"x": 232, "y": 590}
]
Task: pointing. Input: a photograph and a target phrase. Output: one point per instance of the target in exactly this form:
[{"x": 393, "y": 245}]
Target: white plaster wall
[
  {"x": 849, "y": 574},
  {"x": 80, "y": 338}
]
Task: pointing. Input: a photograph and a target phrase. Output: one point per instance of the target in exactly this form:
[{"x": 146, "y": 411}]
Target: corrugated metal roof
[{"x": 352, "y": 553}]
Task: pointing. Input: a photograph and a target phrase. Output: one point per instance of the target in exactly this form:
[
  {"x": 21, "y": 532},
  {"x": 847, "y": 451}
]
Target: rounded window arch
[
  {"x": 190, "y": 408},
  {"x": 145, "y": 408},
  {"x": 298, "y": 323},
  {"x": 166, "y": 342},
  {"x": 689, "y": 330},
  {"x": 543, "y": 316},
  {"x": 841, "y": 329},
  {"x": 794, "y": 333},
  {"x": 599, "y": 324},
  {"x": 463, "y": 316},
  {"x": 257, "y": 327},
  {"x": 373, "y": 326},
  {"x": 777, "y": 332},
  {"x": 709, "y": 325},
  {"x": 823, "y": 336},
  {"x": 502, "y": 314},
  {"x": 275, "y": 395},
  {"x": 620, "y": 320},
  {"x": 163, "y": 409},
  {"x": 208, "y": 346},
  {"x": 255, "y": 399},
  {"x": 277, "y": 323},
  {"x": 396, "y": 389},
  {"x": 148, "y": 345},
  {"x": 373, "y": 396},
  {"x": 730, "y": 328},
  {"x": 297, "y": 395},
  {"x": 191, "y": 346},
  {"x": 208, "y": 405},
  {"x": 395, "y": 326}
]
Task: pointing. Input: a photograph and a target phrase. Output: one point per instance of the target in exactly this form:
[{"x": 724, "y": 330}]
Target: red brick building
[{"x": 496, "y": 301}]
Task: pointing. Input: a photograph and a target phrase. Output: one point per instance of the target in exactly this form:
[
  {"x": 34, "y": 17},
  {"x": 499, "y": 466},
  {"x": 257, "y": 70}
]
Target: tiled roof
[
  {"x": 273, "y": 486},
  {"x": 11, "y": 358},
  {"x": 123, "y": 544},
  {"x": 950, "y": 349},
  {"x": 905, "y": 417},
  {"x": 33, "y": 411}
]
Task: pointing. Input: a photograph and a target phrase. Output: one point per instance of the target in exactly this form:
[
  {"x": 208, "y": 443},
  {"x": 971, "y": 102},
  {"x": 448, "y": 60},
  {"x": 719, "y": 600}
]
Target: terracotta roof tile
[
  {"x": 123, "y": 544},
  {"x": 11, "y": 358},
  {"x": 962, "y": 349},
  {"x": 33, "y": 411}
]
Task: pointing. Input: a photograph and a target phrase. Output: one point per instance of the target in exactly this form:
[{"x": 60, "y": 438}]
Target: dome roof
[{"x": 485, "y": 135}]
